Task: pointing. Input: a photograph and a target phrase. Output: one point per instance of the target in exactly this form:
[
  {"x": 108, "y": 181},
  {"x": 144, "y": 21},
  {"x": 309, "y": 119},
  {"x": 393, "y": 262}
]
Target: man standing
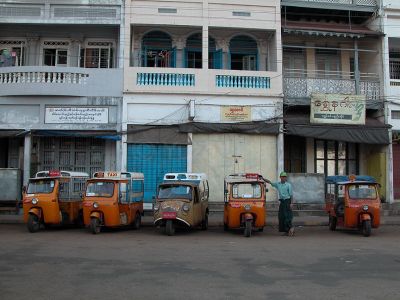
[{"x": 285, "y": 198}]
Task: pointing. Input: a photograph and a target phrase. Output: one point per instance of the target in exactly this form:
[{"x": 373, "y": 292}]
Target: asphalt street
[{"x": 145, "y": 264}]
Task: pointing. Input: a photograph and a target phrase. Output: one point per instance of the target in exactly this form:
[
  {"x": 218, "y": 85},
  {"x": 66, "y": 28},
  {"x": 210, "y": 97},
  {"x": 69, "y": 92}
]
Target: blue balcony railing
[
  {"x": 165, "y": 79},
  {"x": 243, "y": 82}
]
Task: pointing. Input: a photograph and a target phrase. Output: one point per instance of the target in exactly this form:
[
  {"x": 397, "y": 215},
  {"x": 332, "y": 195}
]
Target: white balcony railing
[
  {"x": 301, "y": 84},
  {"x": 43, "y": 77},
  {"x": 44, "y": 80}
]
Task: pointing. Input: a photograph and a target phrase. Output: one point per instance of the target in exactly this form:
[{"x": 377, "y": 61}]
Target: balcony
[
  {"x": 202, "y": 81},
  {"x": 61, "y": 81},
  {"x": 299, "y": 85},
  {"x": 357, "y": 5}
]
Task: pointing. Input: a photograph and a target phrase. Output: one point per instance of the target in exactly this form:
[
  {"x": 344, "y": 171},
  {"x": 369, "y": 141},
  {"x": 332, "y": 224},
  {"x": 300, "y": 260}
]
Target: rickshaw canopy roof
[
  {"x": 244, "y": 177},
  {"x": 191, "y": 177},
  {"x": 58, "y": 174},
  {"x": 344, "y": 179},
  {"x": 118, "y": 175}
]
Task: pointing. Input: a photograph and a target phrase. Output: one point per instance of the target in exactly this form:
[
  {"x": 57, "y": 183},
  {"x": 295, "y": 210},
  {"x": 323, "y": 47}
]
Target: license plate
[{"x": 169, "y": 215}]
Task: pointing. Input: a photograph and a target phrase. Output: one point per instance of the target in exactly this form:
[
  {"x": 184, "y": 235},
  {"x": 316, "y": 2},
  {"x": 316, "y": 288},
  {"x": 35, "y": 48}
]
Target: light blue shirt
[{"x": 284, "y": 189}]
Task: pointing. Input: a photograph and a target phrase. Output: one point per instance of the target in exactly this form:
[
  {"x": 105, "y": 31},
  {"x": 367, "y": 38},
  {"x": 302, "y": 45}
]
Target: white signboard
[
  {"x": 337, "y": 109},
  {"x": 76, "y": 115}
]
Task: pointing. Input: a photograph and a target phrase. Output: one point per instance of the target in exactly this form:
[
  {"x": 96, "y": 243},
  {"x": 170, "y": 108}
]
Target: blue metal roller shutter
[{"x": 154, "y": 161}]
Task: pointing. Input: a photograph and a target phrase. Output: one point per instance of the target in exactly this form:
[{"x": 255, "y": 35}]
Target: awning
[
  {"x": 153, "y": 134},
  {"x": 245, "y": 127},
  {"x": 373, "y": 132},
  {"x": 327, "y": 29},
  {"x": 106, "y": 135},
  {"x": 12, "y": 133}
]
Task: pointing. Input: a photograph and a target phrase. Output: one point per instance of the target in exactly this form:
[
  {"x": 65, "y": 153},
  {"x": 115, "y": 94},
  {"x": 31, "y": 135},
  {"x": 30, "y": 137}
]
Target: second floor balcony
[{"x": 300, "y": 84}]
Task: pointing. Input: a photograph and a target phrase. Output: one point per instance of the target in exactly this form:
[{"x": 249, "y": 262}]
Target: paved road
[{"x": 144, "y": 264}]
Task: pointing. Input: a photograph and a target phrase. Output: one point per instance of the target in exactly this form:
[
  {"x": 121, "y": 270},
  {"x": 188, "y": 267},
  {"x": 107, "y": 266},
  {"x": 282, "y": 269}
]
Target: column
[
  {"x": 179, "y": 43},
  {"x": 190, "y": 154},
  {"x": 356, "y": 68},
  {"x": 27, "y": 158}
]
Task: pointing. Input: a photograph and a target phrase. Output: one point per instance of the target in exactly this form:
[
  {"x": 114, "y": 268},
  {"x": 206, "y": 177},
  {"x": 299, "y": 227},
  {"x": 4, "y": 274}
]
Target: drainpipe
[
  {"x": 27, "y": 158},
  {"x": 356, "y": 68}
]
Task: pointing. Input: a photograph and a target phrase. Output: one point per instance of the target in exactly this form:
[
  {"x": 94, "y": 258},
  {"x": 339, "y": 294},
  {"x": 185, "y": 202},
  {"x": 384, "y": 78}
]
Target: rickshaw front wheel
[
  {"x": 169, "y": 227},
  {"x": 138, "y": 221},
  {"x": 33, "y": 223},
  {"x": 95, "y": 225},
  {"x": 332, "y": 223},
  {"x": 366, "y": 228},
  {"x": 204, "y": 223},
  {"x": 247, "y": 228}
]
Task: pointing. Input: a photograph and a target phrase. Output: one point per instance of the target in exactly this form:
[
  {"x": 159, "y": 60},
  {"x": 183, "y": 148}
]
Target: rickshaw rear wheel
[
  {"x": 169, "y": 227},
  {"x": 33, "y": 223},
  {"x": 366, "y": 228},
  {"x": 138, "y": 221},
  {"x": 247, "y": 228},
  {"x": 204, "y": 223},
  {"x": 95, "y": 225},
  {"x": 225, "y": 227},
  {"x": 332, "y": 223},
  {"x": 261, "y": 229}
]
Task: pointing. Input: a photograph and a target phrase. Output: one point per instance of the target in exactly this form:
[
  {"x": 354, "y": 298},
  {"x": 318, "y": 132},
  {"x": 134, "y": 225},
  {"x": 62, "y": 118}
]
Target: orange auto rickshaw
[
  {"x": 244, "y": 207},
  {"x": 113, "y": 199},
  {"x": 53, "y": 198},
  {"x": 353, "y": 202}
]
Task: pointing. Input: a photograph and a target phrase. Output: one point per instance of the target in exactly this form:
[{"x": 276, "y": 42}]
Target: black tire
[
  {"x": 79, "y": 220},
  {"x": 95, "y": 225},
  {"x": 33, "y": 223},
  {"x": 247, "y": 228},
  {"x": 332, "y": 223},
  {"x": 226, "y": 227},
  {"x": 261, "y": 229},
  {"x": 366, "y": 228},
  {"x": 204, "y": 223},
  {"x": 169, "y": 227},
  {"x": 138, "y": 221}
]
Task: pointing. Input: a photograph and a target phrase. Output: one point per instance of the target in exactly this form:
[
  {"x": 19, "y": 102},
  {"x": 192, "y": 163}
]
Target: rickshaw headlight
[
  {"x": 35, "y": 201},
  {"x": 247, "y": 207},
  {"x": 95, "y": 205},
  {"x": 185, "y": 207},
  {"x": 156, "y": 206},
  {"x": 365, "y": 207}
]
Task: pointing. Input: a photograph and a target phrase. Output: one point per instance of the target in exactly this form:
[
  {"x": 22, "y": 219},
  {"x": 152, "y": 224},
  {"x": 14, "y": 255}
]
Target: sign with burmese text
[
  {"x": 337, "y": 109},
  {"x": 236, "y": 113},
  {"x": 76, "y": 115}
]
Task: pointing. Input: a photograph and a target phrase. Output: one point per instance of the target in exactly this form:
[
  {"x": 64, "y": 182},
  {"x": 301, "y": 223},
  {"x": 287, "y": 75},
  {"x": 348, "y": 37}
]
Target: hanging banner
[
  {"x": 337, "y": 109},
  {"x": 76, "y": 115},
  {"x": 236, "y": 113}
]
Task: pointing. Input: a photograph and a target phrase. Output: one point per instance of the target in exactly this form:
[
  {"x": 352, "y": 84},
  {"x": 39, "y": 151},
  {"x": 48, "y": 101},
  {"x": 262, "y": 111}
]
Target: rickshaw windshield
[
  {"x": 362, "y": 191},
  {"x": 100, "y": 189},
  {"x": 175, "y": 192},
  {"x": 246, "y": 190},
  {"x": 44, "y": 186}
]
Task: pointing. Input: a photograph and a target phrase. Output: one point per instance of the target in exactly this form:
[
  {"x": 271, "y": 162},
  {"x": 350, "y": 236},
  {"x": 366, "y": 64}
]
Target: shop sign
[
  {"x": 337, "y": 109},
  {"x": 236, "y": 113},
  {"x": 76, "y": 115}
]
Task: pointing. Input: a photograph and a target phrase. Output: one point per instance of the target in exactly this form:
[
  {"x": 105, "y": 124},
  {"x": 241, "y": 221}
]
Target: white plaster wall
[{"x": 172, "y": 109}]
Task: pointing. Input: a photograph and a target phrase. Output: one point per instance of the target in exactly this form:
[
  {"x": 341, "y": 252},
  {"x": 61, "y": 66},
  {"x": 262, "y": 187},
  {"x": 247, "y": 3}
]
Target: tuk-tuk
[
  {"x": 353, "y": 202},
  {"x": 182, "y": 200},
  {"x": 244, "y": 207},
  {"x": 53, "y": 198},
  {"x": 113, "y": 199}
]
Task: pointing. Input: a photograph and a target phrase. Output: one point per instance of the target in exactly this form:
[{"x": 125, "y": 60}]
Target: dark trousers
[{"x": 285, "y": 215}]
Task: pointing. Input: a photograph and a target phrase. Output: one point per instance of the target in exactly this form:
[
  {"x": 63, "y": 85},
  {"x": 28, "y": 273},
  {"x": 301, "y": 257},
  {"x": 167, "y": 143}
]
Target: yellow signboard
[
  {"x": 236, "y": 113},
  {"x": 337, "y": 109}
]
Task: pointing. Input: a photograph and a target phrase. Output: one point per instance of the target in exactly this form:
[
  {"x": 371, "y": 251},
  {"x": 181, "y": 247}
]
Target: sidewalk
[{"x": 216, "y": 220}]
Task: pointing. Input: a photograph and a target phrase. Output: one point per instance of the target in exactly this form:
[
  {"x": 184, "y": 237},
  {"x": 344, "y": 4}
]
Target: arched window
[
  {"x": 194, "y": 53},
  {"x": 243, "y": 53},
  {"x": 157, "y": 50}
]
